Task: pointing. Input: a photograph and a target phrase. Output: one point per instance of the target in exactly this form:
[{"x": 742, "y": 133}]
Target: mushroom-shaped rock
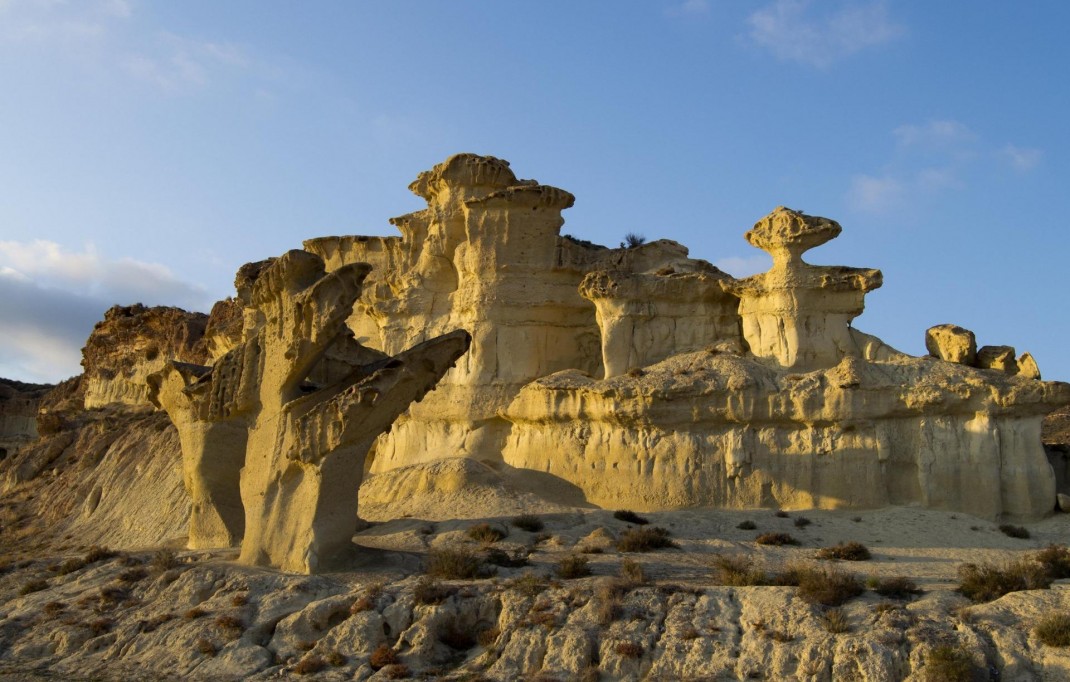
[
  {"x": 952, "y": 343},
  {"x": 997, "y": 357},
  {"x": 798, "y": 315}
]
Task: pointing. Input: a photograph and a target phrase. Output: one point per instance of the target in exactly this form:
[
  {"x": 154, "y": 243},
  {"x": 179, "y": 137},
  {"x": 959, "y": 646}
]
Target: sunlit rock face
[{"x": 649, "y": 379}]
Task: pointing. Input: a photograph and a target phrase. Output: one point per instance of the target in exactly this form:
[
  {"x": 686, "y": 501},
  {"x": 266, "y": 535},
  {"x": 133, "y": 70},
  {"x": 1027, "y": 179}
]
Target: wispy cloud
[
  {"x": 796, "y": 30},
  {"x": 1021, "y": 159},
  {"x": 689, "y": 8},
  {"x": 938, "y": 133},
  {"x": 50, "y": 298},
  {"x": 177, "y": 64}
]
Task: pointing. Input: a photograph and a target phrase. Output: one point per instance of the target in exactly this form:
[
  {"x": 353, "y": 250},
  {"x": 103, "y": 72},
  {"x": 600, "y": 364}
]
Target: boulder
[
  {"x": 951, "y": 343},
  {"x": 998, "y": 357}
]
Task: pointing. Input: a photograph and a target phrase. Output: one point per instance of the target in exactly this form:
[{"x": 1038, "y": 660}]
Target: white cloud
[
  {"x": 744, "y": 266},
  {"x": 50, "y": 298},
  {"x": 870, "y": 193},
  {"x": 939, "y": 133},
  {"x": 1021, "y": 159},
  {"x": 791, "y": 31}
]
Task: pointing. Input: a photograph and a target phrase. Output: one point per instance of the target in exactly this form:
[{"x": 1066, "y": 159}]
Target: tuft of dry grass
[
  {"x": 230, "y": 626},
  {"x": 573, "y": 566},
  {"x": 986, "y": 582},
  {"x": 382, "y": 657},
  {"x": 98, "y": 553},
  {"x": 529, "y": 584},
  {"x": 827, "y": 586},
  {"x": 897, "y": 587},
  {"x": 34, "y": 585},
  {"x": 1053, "y": 629},
  {"x": 164, "y": 560},
  {"x": 845, "y": 551},
  {"x": 644, "y": 539},
  {"x": 240, "y": 599},
  {"x": 1056, "y": 561},
  {"x": 452, "y": 563},
  {"x": 835, "y": 621},
  {"x": 632, "y": 572},
  {"x": 133, "y": 575},
  {"x": 629, "y": 649},
  {"x": 430, "y": 591},
  {"x": 205, "y": 646},
  {"x": 195, "y": 613},
  {"x": 738, "y": 570},
  {"x": 485, "y": 533},
  {"x": 497, "y": 557},
  {"x": 336, "y": 658},
  {"x": 361, "y": 605},
  {"x": 948, "y": 664},
  {"x": 309, "y": 664},
  {"x": 776, "y": 539},
  {"x": 746, "y": 525}
]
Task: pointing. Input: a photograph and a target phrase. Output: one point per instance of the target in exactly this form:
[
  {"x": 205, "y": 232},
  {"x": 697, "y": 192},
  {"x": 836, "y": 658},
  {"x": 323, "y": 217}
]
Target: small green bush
[
  {"x": 1054, "y": 629},
  {"x": 528, "y": 522},
  {"x": 573, "y": 566},
  {"x": 644, "y": 539},
  {"x": 630, "y": 517},
  {"x": 986, "y": 582},
  {"x": 845, "y": 551},
  {"x": 776, "y": 539}
]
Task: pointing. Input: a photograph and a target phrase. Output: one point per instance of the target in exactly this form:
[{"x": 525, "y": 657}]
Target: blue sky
[{"x": 148, "y": 149}]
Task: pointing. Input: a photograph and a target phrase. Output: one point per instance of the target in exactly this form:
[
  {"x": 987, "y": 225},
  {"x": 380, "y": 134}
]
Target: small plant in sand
[
  {"x": 948, "y": 664},
  {"x": 309, "y": 664},
  {"x": 430, "y": 591},
  {"x": 34, "y": 585},
  {"x": 630, "y": 517},
  {"x": 1053, "y": 629},
  {"x": 382, "y": 657},
  {"x": 835, "y": 621},
  {"x": 573, "y": 566},
  {"x": 452, "y": 563},
  {"x": 738, "y": 570},
  {"x": 776, "y": 539},
  {"x": 897, "y": 587},
  {"x": 845, "y": 551},
  {"x": 1056, "y": 561},
  {"x": 644, "y": 539},
  {"x": 1010, "y": 531},
  {"x": 985, "y": 582},
  {"x": 528, "y": 522},
  {"x": 164, "y": 560},
  {"x": 747, "y": 525},
  {"x": 827, "y": 586},
  {"x": 485, "y": 533}
]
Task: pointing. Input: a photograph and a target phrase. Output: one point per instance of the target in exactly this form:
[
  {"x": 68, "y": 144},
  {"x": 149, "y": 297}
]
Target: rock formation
[{"x": 294, "y": 407}]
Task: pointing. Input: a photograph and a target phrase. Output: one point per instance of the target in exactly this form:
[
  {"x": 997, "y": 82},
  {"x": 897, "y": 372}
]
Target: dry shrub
[
  {"x": 430, "y": 591},
  {"x": 986, "y": 582},
  {"x": 529, "y": 584},
  {"x": 1053, "y": 629},
  {"x": 948, "y": 664},
  {"x": 630, "y": 517},
  {"x": 205, "y": 646},
  {"x": 629, "y": 649},
  {"x": 361, "y": 605},
  {"x": 644, "y": 539},
  {"x": 1010, "y": 531},
  {"x": 632, "y": 572},
  {"x": 835, "y": 621},
  {"x": 898, "y": 587},
  {"x": 311, "y": 663},
  {"x": 608, "y": 602},
  {"x": 802, "y": 522},
  {"x": 1056, "y": 561},
  {"x": 53, "y": 609},
  {"x": 195, "y": 613},
  {"x": 382, "y": 657},
  {"x": 133, "y": 575},
  {"x": 97, "y": 553},
  {"x": 70, "y": 566},
  {"x": 164, "y": 560},
  {"x": 101, "y": 626},
  {"x": 738, "y": 570},
  {"x": 486, "y": 533},
  {"x": 336, "y": 658},
  {"x": 452, "y": 563},
  {"x": 501, "y": 558},
  {"x": 240, "y": 599},
  {"x": 776, "y": 539},
  {"x": 231, "y": 626},
  {"x": 573, "y": 566},
  {"x": 528, "y": 522},
  {"x": 780, "y": 514},
  {"x": 827, "y": 586},
  {"x": 31, "y": 586},
  {"x": 747, "y": 525},
  {"x": 845, "y": 551},
  {"x": 153, "y": 624}
]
